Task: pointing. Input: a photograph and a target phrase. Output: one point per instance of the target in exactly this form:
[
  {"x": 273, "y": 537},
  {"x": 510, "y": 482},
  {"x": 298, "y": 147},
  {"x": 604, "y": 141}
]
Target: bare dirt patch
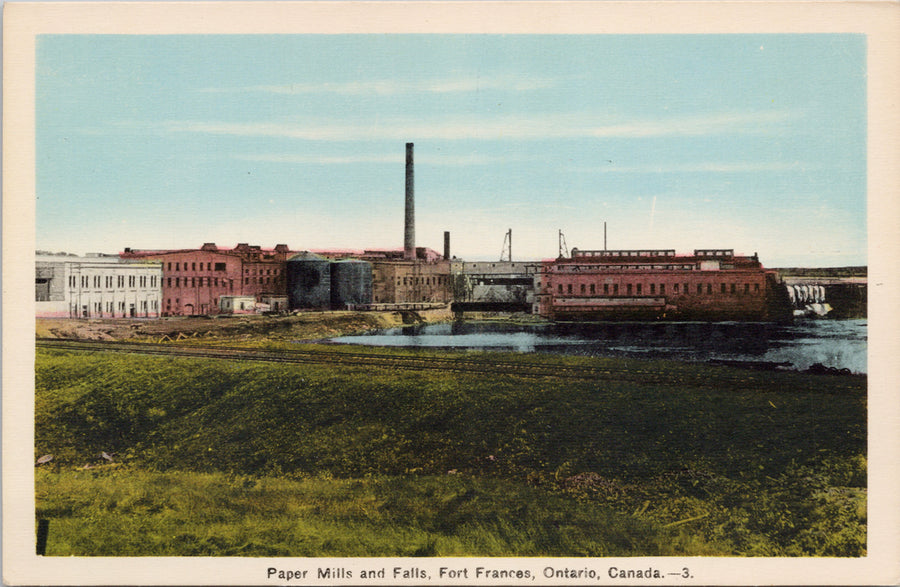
[{"x": 303, "y": 326}]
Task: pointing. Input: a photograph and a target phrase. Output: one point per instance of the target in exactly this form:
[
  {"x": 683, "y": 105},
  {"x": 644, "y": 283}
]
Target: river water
[{"x": 839, "y": 344}]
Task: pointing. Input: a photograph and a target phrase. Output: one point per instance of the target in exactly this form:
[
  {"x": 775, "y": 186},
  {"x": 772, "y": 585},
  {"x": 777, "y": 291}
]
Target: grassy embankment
[{"x": 225, "y": 458}]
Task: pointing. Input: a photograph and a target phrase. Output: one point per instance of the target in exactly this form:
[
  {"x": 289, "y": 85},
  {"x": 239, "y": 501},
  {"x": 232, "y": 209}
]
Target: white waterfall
[{"x": 808, "y": 299}]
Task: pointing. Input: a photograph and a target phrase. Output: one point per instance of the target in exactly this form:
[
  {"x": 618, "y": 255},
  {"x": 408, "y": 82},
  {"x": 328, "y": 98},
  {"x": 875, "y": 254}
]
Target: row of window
[
  {"x": 215, "y": 282},
  {"x": 436, "y": 280},
  {"x": 626, "y": 253},
  {"x": 638, "y": 289},
  {"x": 184, "y": 266},
  {"x": 263, "y": 280},
  {"x": 108, "y": 281},
  {"x": 579, "y": 268},
  {"x": 114, "y": 309},
  {"x": 194, "y": 266},
  {"x": 195, "y": 281},
  {"x": 260, "y": 272}
]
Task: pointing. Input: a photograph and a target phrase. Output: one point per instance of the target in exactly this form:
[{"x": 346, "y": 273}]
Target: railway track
[{"x": 429, "y": 362}]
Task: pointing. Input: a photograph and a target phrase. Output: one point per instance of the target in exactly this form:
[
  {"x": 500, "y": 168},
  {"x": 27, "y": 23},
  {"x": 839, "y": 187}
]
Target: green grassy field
[{"x": 224, "y": 458}]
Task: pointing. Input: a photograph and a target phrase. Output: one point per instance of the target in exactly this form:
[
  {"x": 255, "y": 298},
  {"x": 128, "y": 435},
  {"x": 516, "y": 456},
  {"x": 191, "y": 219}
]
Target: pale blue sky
[{"x": 751, "y": 142}]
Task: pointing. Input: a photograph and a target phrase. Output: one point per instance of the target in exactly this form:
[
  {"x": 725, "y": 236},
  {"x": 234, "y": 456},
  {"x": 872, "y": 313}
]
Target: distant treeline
[{"x": 823, "y": 271}]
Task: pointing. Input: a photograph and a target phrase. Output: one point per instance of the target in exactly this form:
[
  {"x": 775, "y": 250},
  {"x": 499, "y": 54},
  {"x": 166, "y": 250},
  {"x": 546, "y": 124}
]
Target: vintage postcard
[{"x": 450, "y": 293}]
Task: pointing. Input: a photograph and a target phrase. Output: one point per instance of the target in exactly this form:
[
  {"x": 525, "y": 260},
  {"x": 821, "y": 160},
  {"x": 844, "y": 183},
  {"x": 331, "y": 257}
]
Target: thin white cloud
[
  {"x": 695, "y": 125},
  {"x": 434, "y": 160},
  {"x": 534, "y": 127},
  {"x": 706, "y": 167},
  {"x": 390, "y": 87},
  {"x": 321, "y": 159}
]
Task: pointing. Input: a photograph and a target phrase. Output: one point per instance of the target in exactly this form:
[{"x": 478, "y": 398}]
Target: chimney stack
[
  {"x": 446, "y": 245},
  {"x": 409, "y": 234}
]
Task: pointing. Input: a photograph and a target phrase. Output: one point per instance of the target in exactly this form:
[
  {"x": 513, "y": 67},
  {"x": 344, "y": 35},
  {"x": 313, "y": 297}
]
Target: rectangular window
[
  {"x": 220, "y": 266},
  {"x": 177, "y": 282},
  {"x": 193, "y": 266},
  {"x": 675, "y": 288},
  {"x": 593, "y": 289},
  {"x": 662, "y": 288},
  {"x": 169, "y": 280},
  {"x": 582, "y": 289},
  {"x": 746, "y": 288},
  {"x": 652, "y": 288},
  {"x": 606, "y": 288},
  {"x": 723, "y": 288},
  {"x": 177, "y": 267},
  {"x": 699, "y": 288},
  {"x": 560, "y": 288},
  {"x": 755, "y": 287},
  {"x": 733, "y": 288},
  {"x": 709, "y": 289},
  {"x": 615, "y": 289},
  {"x": 170, "y": 266},
  {"x": 639, "y": 289},
  {"x": 193, "y": 282},
  {"x": 568, "y": 288},
  {"x": 628, "y": 289}
]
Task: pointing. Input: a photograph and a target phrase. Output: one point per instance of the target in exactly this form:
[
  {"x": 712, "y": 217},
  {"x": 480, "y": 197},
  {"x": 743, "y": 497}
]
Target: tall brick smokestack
[
  {"x": 409, "y": 234},
  {"x": 446, "y": 245}
]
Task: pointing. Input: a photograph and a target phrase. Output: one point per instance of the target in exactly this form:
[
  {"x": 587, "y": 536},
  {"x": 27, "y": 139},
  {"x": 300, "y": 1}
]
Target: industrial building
[
  {"x": 494, "y": 285},
  {"x": 710, "y": 284},
  {"x": 194, "y": 280},
  {"x": 397, "y": 280},
  {"x": 96, "y": 286}
]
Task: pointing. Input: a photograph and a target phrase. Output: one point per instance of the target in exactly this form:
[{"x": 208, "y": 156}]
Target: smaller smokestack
[
  {"x": 446, "y": 245},
  {"x": 409, "y": 234}
]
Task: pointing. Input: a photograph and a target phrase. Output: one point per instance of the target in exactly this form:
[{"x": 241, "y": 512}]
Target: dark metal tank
[
  {"x": 308, "y": 281},
  {"x": 351, "y": 283}
]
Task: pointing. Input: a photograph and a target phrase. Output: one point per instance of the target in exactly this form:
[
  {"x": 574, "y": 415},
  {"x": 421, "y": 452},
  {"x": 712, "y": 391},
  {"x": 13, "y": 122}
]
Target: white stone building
[{"x": 96, "y": 286}]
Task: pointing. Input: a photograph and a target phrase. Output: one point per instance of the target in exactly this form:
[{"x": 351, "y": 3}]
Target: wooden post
[{"x": 43, "y": 530}]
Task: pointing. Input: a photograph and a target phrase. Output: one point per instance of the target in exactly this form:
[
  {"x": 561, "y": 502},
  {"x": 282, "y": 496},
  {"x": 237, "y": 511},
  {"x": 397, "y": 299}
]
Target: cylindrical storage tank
[
  {"x": 351, "y": 283},
  {"x": 308, "y": 281}
]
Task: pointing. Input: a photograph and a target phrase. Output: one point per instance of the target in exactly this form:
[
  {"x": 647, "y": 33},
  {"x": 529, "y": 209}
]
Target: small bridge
[{"x": 490, "y": 306}]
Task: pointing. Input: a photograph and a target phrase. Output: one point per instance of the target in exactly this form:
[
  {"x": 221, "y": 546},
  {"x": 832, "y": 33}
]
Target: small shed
[{"x": 237, "y": 304}]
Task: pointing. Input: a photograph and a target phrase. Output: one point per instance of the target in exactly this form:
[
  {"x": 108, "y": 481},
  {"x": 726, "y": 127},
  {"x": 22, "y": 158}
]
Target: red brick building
[
  {"x": 710, "y": 284},
  {"x": 194, "y": 279}
]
